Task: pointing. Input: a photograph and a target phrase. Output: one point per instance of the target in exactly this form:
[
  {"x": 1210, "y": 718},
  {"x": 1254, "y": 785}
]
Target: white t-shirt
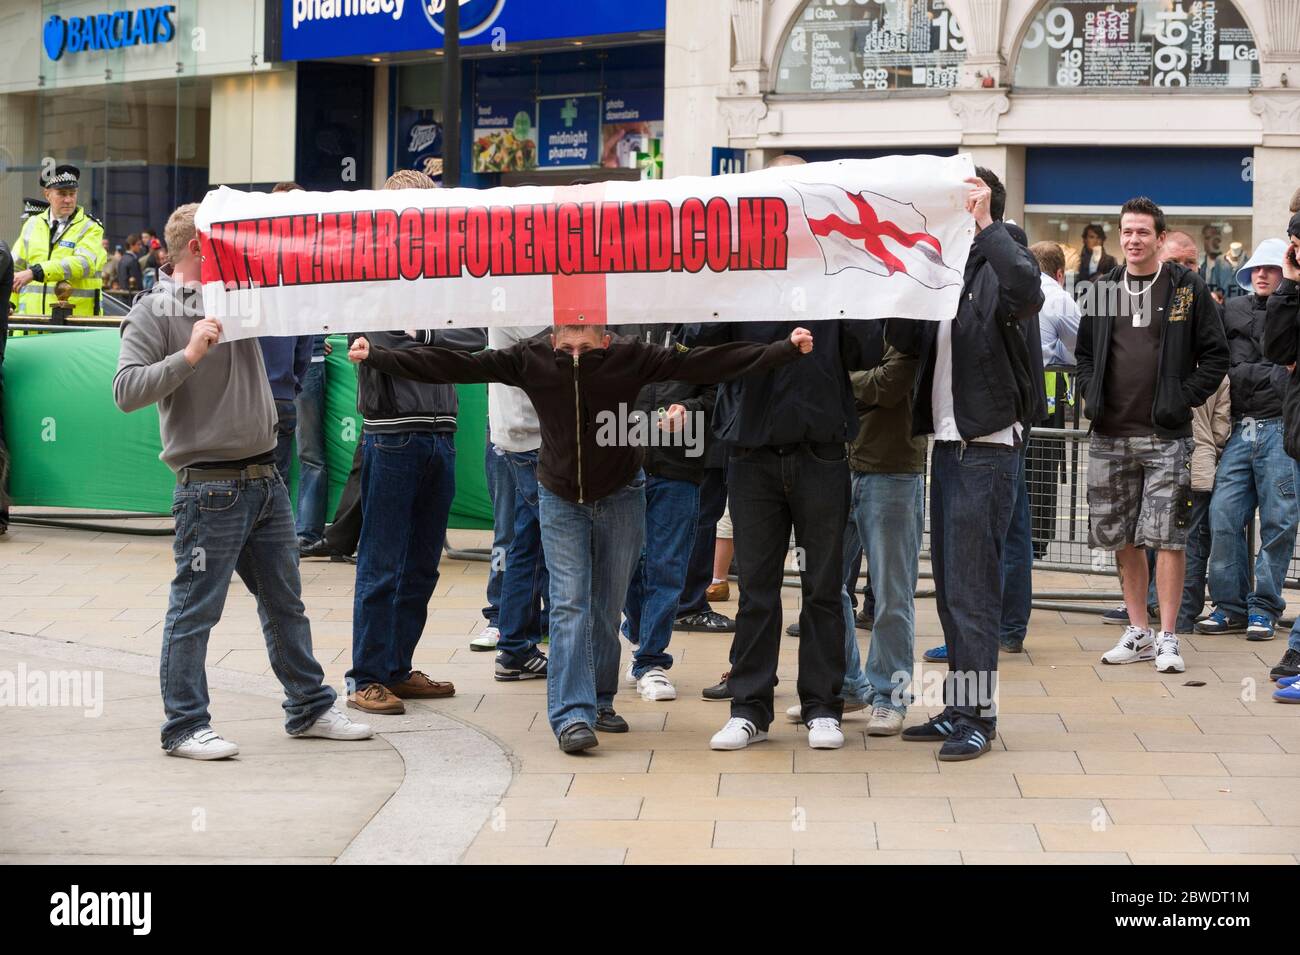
[{"x": 941, "y": 401}]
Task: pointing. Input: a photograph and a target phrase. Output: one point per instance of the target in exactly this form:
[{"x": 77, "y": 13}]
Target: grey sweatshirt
[
  {"x": 510, "y": 414},
  {"x": 219, "y": 410}
]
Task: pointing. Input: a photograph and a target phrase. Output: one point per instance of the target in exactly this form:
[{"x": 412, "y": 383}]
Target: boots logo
[
  {"x": 77, "y": 908},
  {"x": 475, "y": 15},
  {"x": 108, "y": 31}
]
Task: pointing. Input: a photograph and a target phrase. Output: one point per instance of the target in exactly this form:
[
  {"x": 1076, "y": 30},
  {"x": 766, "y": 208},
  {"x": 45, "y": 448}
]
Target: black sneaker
[
  {"x": 512, "y": 667},
  {"x": 793, "y": 629},
  {"x": 710, "y": 621},
  {"x": 863, "y": 620},
  {"x": 1220, "y": 622},
  {"x": 966, "y": 741},
  {"x": 934, "y": 729},
  {"x": 316, "y": 549},
  {"x": 1011, "y": 645},
  {"x": 1290, "y": 665},
  {"x": 719, "y": 691},
  {"x": 607, "y": 721},
  {"x": 576, "y": 737},
  {"x": 1117, "y": 616}
]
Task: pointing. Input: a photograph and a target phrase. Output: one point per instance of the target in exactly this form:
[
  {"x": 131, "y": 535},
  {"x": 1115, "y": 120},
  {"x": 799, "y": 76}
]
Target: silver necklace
[{"x": 1138, "y": 296}]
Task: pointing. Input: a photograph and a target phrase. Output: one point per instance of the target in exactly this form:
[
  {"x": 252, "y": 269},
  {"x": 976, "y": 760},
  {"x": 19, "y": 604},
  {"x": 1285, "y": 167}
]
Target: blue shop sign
[
  {"x": 313, "y": 29},
  {"x": 568, "y": 130},
  {"x": 108, "y": 31}
]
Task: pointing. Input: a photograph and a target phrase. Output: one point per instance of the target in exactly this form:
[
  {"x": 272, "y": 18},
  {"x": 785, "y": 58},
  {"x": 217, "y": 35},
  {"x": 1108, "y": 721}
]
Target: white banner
[{"x": 855, "y": 238}]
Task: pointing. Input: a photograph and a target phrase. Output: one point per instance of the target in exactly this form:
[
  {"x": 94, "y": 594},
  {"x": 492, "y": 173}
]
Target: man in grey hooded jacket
[{"x": 218, "y": 426}]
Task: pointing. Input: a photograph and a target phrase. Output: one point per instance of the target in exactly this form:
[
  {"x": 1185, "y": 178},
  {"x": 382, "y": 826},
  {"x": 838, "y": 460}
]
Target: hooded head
[{"x": 1268, "y": 255}]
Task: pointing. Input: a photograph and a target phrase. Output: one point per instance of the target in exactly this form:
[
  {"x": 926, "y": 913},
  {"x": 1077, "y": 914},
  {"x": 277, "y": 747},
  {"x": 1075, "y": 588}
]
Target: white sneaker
[
  {"x": 795, "y": 713},
  {"x": 204, "y": 744},
  {"x": 334, "y": 724},
  {"x": 628, "y": 677},
  {"x": 1168, "y": 659},
  {"x": 655, "y": 686},
  {"x": 824, "y": 733},
  {"x": 486, "y": 640},
  {"x": 1138, "y": 643},
  {"x": 737, "y": 734},
  {"x": 885, "y": 721}
]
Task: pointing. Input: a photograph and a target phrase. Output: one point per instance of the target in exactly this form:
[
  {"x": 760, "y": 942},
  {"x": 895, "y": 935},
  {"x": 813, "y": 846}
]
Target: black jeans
[
  {"x": 286, "y": 425},
  {"x": 343, "y": 535},
  {"x": 699, "y": 572},
  {"x": 972, "y": 490},
  {"x": 807, "y": 488}
]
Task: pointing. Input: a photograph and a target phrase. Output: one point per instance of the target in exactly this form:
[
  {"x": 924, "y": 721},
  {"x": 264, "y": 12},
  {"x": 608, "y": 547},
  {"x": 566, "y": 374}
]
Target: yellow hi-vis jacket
[{"x": 75, "y": 254}]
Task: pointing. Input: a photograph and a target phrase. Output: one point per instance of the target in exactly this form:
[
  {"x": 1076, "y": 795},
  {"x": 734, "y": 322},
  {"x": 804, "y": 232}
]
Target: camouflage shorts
[{"x": 1139, "y": 492}]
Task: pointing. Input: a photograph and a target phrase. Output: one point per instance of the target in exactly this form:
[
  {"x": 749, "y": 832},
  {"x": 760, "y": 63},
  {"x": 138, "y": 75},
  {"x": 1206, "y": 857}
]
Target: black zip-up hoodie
[
  {"x": 996, "y": 382},
  {"x": 388, "y": 404},
  {"x": 1193, "y": 353},
  {"x": 1282, "y": 345},
  {"x": 670, "y": 457},
  {"x": 1258, "y": 385},
  {"x": 580, "y": 400}
]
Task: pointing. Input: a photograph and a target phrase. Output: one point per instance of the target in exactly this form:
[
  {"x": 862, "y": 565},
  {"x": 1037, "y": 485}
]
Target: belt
[{"x": 253, "y": 472}]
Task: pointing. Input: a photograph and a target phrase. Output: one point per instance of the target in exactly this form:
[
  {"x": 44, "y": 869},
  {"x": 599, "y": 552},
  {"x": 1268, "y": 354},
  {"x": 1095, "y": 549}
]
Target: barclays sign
[{"x": 108, "y": 31}]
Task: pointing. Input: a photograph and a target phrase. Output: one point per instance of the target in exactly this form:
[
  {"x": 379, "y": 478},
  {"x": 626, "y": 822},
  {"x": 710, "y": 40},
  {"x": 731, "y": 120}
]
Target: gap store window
[
  {"x": 837, "y": 46},
  {"x": 1110, "y": 44}
]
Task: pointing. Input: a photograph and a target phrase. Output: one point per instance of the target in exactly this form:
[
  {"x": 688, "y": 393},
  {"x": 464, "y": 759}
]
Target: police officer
[{"x": 64, "y": 244}]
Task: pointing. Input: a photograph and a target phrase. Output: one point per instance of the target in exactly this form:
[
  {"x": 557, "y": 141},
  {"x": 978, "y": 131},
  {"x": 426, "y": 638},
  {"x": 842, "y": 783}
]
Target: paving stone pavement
[{"x": 1092, "y": 765}]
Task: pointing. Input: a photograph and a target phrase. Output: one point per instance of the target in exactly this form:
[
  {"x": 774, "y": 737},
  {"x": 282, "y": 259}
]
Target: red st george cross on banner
[{"x": 881, "y": 235}]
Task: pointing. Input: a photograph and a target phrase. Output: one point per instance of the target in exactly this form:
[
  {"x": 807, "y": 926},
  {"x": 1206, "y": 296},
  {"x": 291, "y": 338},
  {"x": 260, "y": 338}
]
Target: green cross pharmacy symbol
[{"x": 569, "y": 113}]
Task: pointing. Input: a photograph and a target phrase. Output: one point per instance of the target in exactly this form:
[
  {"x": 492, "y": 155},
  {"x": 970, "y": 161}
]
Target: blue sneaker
[
  {"x": 937, "y": 655},
  {"x": 1118, "y": 616},
  {"x": 1288, "y": 680},
  {"x": 1288, "y": 694},
  {"x": 1220, "y": 622},
  {"x": 1259, "y": 627}
]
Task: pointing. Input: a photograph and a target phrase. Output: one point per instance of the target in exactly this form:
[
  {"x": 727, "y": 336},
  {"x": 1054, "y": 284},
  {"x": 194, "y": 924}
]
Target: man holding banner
[
  {"x": 217, "y": 422},
  {"x": 591, "y": 502},
  {"x": 975, "y": 394}
]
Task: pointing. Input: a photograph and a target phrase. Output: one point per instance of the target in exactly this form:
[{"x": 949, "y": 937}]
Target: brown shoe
[
  {"x": 376, "y": 698},
  {"x": 721, "y": 592},
  {"x": 419, "y": 686}
]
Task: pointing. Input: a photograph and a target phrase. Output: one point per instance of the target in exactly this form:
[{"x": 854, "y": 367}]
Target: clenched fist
[
  {"x": 359, "y": 350},
  {"x": 802, "y": 339},
  {"x": 203, "y": 336}
]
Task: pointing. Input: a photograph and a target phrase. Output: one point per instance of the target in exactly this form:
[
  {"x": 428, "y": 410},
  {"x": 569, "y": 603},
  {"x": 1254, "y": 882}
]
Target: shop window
[
  {"x": 837, "y": 46},
  {"x": 1109, "y": 44}
]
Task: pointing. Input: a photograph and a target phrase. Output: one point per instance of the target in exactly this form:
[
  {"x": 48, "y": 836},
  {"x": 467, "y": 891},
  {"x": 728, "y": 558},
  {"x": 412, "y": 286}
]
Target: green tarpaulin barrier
[{"x": 71, "y": 447}]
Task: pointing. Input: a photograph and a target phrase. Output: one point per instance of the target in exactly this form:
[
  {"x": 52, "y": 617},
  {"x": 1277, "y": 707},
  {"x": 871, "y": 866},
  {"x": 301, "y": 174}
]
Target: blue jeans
[
  {"x": 522, "y": 619},
  {"x": 286, "y": 424},
  {"x": 1254, "y": 472},
  {"x": 1018, "y": 564},
  {"x": 222, "y": 528},
  {"x": 313, "y": 479},
  {"x": 408, "y": 480},
  {"x": 671, "y": 508},
  {"x": 888, "y": 513},
  {"x": 501, "y": 490},
  {"x": 591, "y": 550},
  {"x": 972, "y": 494}
]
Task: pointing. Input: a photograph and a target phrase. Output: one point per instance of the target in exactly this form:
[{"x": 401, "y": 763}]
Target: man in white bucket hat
[{"x": 1255, "y": 471}]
